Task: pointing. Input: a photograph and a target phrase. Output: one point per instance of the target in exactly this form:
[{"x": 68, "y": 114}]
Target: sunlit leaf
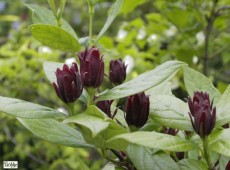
[
  {"x": 54, "y": 37},
  {"x": 24, "y": 109},
  {"x": 54, "y": 131},
  {"x": 144, "y": 81}
]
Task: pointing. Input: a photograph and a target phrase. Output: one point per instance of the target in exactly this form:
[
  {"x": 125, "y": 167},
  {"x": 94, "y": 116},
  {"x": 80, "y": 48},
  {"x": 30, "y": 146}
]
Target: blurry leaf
[
  {"x": 10, "y": 18},
  {"x": 96, "y": 127},
  {"x": 144, "y": 81},
  {"x": 223, "y": 109},
  {"x": 111, "y": 166},
  {"x": 23, "y": 109},
  {"x": 185, "y": 54},
  {"x": 195, "y": 81},
  {"x": 50, "y": 69},
  {"x": 150, "y": 139},
  {"x": 188, "y": 164},
  {"x": 45, "y": 16},
  {"x": 52, "y": 6},
  {"x": 145, "y": 159},
  {"x": 54, "y": 37},
  {"x": 170, "y": 112},
  {"x": 114, "y": 11},
  {"x": 219, "y": 141},
  {"x": 84, "y": 41},
  {"x": 54, "y": 131},
  {"x": 223, "y": 162},
  {"x": 130, "y": 5},
  {"x": 178, "y": 17}
]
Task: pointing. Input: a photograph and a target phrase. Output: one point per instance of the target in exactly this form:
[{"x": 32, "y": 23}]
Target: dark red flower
[
  {"x": 117, "y": 71},
  {"x": 69, "y": 85},
  {"x": 137, "y": 109},
  {"x": 105, "y": 106},
  {"x": 202, "y": 113},
  {"x": 91, "y": 67}
]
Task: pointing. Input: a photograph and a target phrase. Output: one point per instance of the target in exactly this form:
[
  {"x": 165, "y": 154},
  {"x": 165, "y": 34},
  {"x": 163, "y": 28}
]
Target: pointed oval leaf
[
  {"x": 151, "y": 140},
  {"x": 223, "y": 109},
  {"x": 114, "y": 11},
  {"x": 96, "y": 127},
  {"x": 54, "y": 37},
  {"x": 147, "y": 159},
  {"x": 45, "y": 16},
  {"x": 188, "y": 164},
  {"x": 54, "y": 131},
  {"x": 219, "y": 141},
  {"x": 195, "y": 81},
  {"x": 170, "y": 112},
  {"x": 50, "y": 69},
  {"x": 143, "y": 82},
  {"x": 23, "y": 109}
]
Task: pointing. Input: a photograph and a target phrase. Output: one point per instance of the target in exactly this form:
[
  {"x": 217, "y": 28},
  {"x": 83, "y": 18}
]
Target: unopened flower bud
[
  {"x": 202, "y": 113},
  {"x": 105, "y": 107},
  {"x": 117, "y": 71},
  {"x": 91, "y": 67},
  {"x": 69, "y": 85},
  {"x": 137, "y": 110}
]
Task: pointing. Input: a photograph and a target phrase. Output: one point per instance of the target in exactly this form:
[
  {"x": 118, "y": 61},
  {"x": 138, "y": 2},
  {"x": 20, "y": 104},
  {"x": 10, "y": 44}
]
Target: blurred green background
[{"x": 145, "y": 34}]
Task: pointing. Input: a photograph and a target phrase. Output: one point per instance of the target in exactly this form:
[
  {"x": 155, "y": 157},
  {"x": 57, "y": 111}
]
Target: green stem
[
  {"x": 207, "y": 153},
  {"x": 91, "y": 13},
  {"x": 91, "y": 93},
  {"x": 71, "y": 107}
]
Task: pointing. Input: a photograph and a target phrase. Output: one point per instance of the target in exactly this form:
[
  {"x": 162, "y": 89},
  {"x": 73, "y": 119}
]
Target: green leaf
[
  {"x": 45, "y": 16},
  {"x": 161, "y": 89},
  {"x": 23, "y": 109},
  {"x": 144, "y": 81},
  {"x": 174, "y": 14},
  {"x": 145, "y": 158},
  {"x": 50, "y": 69},
  {"x": 188, "y": 164},
  {"x": 223, "y": 162},
  {"x": 120, "y": 116},
  {"x": 223, "y": 109},
  {"x": 54, "y": 37},
  {"x": 96, "y": 127},
  {"x": 130, "y": 5},
  {"x": 54, "y": 131},
  {"x": 219, "y": 141},
  {"x": 195, "y": 81},
  {"x": 170, "y": 112},
  {"x": 114, "y": 11},
  {"x": 52, "y": 6},
  {"x": 150, "y": 139}
]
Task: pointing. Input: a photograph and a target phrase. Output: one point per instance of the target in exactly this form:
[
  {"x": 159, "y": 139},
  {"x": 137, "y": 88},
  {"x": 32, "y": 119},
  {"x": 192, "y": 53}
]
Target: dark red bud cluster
[
  {"x": 137, "y": 109},
  {"x": 70, "y": 81},
  {"x": 202, "y": 113}
]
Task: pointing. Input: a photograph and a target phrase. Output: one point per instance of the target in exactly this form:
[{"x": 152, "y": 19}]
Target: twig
[
  {"x": 12, "y": 139},
  {"x": 209, "y": 27}
]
